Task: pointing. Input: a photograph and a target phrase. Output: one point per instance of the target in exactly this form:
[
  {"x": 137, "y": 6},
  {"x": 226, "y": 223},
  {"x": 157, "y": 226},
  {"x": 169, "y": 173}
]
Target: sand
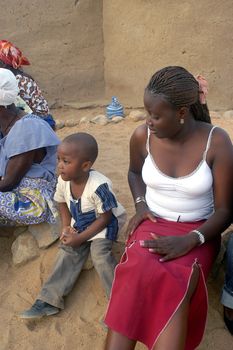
[{"x": 78, "y": 326}]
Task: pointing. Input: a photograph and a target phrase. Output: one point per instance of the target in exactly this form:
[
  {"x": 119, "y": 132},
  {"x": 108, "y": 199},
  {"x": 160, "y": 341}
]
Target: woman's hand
[
  {"x": 142, "y": 213},
  {"x": 170, "y": 247}
]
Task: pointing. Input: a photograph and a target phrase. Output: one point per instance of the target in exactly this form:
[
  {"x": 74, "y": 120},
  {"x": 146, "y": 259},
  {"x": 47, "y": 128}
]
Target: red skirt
[{"x": 146, "y": 292}]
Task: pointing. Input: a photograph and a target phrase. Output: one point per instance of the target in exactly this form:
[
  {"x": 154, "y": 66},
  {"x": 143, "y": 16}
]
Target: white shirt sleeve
[{"x": 59, "y": 195}]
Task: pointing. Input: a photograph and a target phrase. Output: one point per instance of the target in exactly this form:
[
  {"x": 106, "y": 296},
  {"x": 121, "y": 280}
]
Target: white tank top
[{"x": 186, "y": 198}]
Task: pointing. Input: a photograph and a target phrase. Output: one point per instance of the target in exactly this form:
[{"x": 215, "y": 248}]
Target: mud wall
[
  {"x": 63, "y": 40},
  {"x": 80, "y": 49},
  {"x": 142, "y": 36}
]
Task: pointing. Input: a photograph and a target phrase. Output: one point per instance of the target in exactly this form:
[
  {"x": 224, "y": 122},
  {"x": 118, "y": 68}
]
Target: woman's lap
[
  {"x": 29, "y": 203},
  {"x": 143, "y": 284}
]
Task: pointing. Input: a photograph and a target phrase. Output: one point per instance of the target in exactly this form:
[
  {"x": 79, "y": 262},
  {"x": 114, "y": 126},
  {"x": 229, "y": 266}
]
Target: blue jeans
[
  {"x": 69, "y": 264},
  {"x": 227, "y": 293}
]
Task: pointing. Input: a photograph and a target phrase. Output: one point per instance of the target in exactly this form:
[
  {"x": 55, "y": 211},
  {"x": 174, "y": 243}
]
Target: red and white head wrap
[{"x": 11, "y": 55}]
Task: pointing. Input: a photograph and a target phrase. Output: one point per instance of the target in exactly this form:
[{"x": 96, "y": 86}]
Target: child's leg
[
  {"x": 104, "y": 262},
  {"x": 67, "y": 268}
]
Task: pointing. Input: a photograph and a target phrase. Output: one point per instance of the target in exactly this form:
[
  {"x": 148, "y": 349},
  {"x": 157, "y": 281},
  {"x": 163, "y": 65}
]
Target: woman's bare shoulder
[
  {"x": 221, "y": 145},
  {"x": 140, "y": 133},
  {"x": 221, "y": 137}
]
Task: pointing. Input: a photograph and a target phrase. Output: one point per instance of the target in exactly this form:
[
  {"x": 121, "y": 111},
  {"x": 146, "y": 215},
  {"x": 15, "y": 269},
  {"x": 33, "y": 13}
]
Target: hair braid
[{"x": 180, "y": 88}]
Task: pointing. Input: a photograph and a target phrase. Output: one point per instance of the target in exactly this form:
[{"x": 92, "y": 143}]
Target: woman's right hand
[{"x": 142, "y": 213}]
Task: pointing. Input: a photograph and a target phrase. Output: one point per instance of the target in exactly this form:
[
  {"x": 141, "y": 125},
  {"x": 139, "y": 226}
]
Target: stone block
[
  {"x": 116, "y": 119},
  {"x": 71, "y": 123},
  {"x": 100, "y": 119},
  {"x": 24, "y": 249},
  {"x": 137, "y": 115},
  {"x": 84, "y": 120},
  {"x": 19, "y": 230},
  {"x": 59, "y": 124},
  {"x": 46, "y": 234}
]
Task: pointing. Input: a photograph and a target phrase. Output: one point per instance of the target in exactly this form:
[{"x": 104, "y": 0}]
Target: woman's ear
[{"x": 183, "y": 112}]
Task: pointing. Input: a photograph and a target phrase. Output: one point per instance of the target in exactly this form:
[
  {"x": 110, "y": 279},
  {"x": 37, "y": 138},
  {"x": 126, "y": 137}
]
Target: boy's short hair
[{"x": 85, "y": 143}]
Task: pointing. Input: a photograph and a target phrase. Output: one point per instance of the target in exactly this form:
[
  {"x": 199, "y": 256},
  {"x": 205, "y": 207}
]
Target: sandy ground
[{"x": 78, "y": 327}]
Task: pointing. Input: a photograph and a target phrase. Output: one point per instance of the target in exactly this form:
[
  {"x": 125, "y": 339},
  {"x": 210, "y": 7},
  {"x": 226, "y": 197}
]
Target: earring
[{"x": 181, "y": 121}]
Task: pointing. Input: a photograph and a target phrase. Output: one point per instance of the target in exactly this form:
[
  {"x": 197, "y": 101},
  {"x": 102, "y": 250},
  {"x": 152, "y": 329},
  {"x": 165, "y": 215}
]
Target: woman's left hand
[{"x": 170, "y": 247}]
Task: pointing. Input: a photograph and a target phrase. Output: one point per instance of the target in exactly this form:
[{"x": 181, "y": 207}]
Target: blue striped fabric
[
  {"x": 112, "y": 229},
  {"x": 82, "y": 220},
  {"x": 106, "y": 196},
  {"x": 85, "y": 219}
]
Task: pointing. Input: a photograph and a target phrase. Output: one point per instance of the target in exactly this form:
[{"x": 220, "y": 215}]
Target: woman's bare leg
[
  {"x": 174, "y": 335},
  {"x": 117, "y": 341}
]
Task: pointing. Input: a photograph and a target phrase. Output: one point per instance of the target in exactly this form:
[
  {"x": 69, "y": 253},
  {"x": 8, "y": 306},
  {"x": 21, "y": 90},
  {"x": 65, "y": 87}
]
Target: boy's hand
[
  {"x": 70, "y": 237},
  {"x": 66, "y": 231}
]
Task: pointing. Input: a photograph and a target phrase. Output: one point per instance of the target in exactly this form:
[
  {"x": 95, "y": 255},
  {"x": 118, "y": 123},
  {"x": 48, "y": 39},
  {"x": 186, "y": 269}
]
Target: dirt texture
[{"x": 78, "y": 326}]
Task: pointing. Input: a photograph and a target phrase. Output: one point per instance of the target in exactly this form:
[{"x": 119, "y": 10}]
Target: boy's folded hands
[{"x": 69, "y": 236}]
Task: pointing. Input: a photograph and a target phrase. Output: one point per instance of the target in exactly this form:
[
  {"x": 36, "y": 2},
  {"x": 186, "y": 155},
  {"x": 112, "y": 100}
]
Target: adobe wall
[
  {"x": 80, "y": 48},
  {"x": 142, "y": 36},
  {"x": 63, "y": 40}
]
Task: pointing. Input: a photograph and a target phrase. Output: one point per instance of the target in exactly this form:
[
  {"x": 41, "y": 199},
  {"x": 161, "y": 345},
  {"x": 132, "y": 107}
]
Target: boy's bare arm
[
  {"x": 65, "y": 215},
  {"x": 75, "y": 240}
]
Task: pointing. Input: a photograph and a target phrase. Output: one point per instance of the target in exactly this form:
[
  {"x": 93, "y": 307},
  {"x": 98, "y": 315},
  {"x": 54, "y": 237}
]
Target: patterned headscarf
[{"x": 11, "y": 55}]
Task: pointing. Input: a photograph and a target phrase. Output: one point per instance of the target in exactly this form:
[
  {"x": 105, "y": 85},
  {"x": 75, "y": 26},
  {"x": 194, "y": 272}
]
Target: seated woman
[
  {"x": 27, "y": 161},
  {"x": 180, "y": 175},
  {"x": 227, "y": 292},
  {"x": 12, "y": 58}
]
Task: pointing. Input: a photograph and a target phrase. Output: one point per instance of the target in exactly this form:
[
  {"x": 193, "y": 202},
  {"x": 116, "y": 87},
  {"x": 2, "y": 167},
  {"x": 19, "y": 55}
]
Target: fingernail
[
  {"x": 141, "y": 243},
  {"x": 160, "y": 260}
]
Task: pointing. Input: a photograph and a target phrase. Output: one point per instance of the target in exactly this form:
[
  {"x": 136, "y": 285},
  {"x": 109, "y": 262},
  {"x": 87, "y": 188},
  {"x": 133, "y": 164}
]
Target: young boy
[{"x": 90, "y": 217}]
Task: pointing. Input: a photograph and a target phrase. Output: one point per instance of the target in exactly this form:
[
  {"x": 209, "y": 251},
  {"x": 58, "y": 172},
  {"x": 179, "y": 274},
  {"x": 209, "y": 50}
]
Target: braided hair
[{"x": 179, "y": 88}]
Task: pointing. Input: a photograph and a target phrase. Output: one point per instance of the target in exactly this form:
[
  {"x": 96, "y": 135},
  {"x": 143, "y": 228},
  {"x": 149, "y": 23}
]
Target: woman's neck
[
  {"x": 8, "y": 117},
  {"x": 188, "y": 128}
]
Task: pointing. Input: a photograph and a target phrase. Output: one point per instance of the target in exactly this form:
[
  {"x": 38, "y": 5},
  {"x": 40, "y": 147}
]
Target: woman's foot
[{"x": 228, "y": 318}]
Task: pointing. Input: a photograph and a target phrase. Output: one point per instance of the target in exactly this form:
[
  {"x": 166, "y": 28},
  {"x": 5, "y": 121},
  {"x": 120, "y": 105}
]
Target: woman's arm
[
  {"x": 138, "y": 154},
  {"x": 137, "y": 157},
  {"x": 16, "y": 168},
  {"x": 222, "y": 170}
]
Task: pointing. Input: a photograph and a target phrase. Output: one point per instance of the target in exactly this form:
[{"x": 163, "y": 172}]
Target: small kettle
[{"x": 114, "y": 108}]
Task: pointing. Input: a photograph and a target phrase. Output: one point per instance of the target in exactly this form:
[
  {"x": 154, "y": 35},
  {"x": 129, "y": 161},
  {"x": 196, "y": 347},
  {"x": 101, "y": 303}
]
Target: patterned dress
[
  {"x": 30, "y": 92},
  {"x": 31, "y": 202},
  {"x": 32, "y": 95}
]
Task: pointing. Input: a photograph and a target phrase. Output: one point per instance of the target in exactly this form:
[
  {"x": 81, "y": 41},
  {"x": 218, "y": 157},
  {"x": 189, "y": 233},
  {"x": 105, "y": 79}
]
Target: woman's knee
[
  {"x": 193, "y": 282},
  {"x": 117, "y": 341}
]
